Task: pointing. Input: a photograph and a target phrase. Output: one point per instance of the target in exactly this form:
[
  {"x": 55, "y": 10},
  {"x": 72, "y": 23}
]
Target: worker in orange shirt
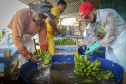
[
  {"x": 28, "y": 22},
  {"x": 52, "y": 24}
]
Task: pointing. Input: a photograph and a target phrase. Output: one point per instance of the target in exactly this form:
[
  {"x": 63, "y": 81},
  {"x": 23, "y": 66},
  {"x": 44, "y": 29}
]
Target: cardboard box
[{"x": 77, "y": 33}]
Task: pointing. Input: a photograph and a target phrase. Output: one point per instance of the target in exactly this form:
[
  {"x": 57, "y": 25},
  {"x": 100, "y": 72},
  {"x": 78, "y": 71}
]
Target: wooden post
[
  {"x": 77, "y": 46},
  {"x": 7, "y": 70},
  {"x": 7, "y": 53}
]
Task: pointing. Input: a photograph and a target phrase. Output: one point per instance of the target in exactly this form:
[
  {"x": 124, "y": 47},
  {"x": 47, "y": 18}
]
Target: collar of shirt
[
  {"x": 97, "y": 17},
  {"x": 57, "y": 10}
]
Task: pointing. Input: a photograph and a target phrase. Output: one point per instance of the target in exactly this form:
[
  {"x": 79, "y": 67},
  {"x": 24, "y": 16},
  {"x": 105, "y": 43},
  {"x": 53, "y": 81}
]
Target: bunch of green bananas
[
  {"x": 105, "y": 75},
  {"x": 46, "y": 58},
  {"x": 84, "y": 67},
  {"x": 65, "y": 42}
]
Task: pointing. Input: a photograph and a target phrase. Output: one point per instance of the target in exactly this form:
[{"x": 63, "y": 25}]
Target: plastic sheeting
[{"x": 106, "y": 64}]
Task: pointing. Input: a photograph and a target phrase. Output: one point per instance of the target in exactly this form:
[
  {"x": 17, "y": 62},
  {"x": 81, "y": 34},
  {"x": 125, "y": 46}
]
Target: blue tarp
[{"x": 106, "y": 64}]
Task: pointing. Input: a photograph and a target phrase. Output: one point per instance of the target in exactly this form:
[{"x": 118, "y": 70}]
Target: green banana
[
  {"x": 81, "y": 64},
  {"x": 97, "y": 69},
  {"x": 95, "y": 61},
  {"x": 85, "y": 58},
  {"x": 94, "y": 68},
  {"x": 82, "y": 74},
  {"x": 98, "y": 51},
  {"x": 87, "y": 74},
  {"x": 77, "y": 72},
  {"x": 35, "y": 52},
  {"x": 92, "y": 64},
  {"x": 85, "y": 70},
  {"x": 93, "y": 73},
  {"x": 88, "y": 68},
  {"x": 81, "y": 59},
  {"x": 45, "y": 66},
  {"x": 83, "y": 67},
  {"x": 45, "y": 62},
  {"x": 108, "y": 75},
  {"x": 38, "y": 52},
  {"x": 41, "y": 56},
  {"x": 88, "y": 81},
  {"x": 88, "y": 63},
  {"x": 89, "y": 71}
]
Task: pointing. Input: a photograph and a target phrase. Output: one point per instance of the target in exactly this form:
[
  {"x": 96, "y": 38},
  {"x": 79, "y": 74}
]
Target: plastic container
[
  {"x": 71, "y": 33},
  {"x": 82, "y": 50},
  {"x": 56, "y": 59},
  {"x": 71, "y": 30},
  {"x": 65, "y": 48},
  {"x": 67, "y": 33},
  {"x": 85, "y": 40}
]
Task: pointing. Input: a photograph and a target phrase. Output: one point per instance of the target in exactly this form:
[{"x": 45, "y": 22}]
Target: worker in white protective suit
[
  {"x": 6, "y": 41},
  {"x": 105, "y": 29}
]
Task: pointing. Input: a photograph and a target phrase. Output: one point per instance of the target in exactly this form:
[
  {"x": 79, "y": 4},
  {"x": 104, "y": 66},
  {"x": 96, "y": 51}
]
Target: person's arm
[
  {"x": 53, "y": 25},
  {"x": 43, "y": 42},
  {"x": 52, "y": 20},
  {"x": 91, "y": 38},
  {"x": 18, "y": 29},
  {"x": 111, "y": 28}
]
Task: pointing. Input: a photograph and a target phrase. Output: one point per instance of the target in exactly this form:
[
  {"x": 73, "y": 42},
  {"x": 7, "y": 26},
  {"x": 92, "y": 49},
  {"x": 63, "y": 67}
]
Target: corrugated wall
[{"x": 118, "y": 5}]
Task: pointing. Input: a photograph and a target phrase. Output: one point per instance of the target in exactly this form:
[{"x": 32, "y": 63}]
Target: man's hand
[
  {"x": 59, "y": 32},
  {"x": 95, "y": 46},
  {"x": 88, "y": 48},
  {"x": 34, "y": 59}
]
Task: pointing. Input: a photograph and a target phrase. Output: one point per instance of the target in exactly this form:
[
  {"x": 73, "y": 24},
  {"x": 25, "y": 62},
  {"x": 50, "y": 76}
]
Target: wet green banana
[
  {"x": 83, "y": 66},
  {"x": 88, "y": 63},
  {"x": 81, "y": 58},
  {"x": 35, "y": 52}
]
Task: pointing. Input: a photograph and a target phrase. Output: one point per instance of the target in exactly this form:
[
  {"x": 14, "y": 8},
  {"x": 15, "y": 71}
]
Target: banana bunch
[
  {"x": 46, "y": 58},
  {"x": 83, "y": 67},
  {"x": 65, "y": 42},
  {"x": 105, "y": 75}
]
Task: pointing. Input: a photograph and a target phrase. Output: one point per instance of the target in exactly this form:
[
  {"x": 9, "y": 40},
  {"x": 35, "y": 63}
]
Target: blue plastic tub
[
  {"x": 106, "y": 64},
  {"x": 82, "y": 50}
]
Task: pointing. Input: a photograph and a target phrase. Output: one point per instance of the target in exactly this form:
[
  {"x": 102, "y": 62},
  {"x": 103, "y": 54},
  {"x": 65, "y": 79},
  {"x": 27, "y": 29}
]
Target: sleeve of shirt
[
  {"x": 43, "y": 38},
  {"x": 91, "y": 38},
  {"x": 110, "y": 29},
  {"x": 18, "y": 29},
  {"x": 54, "y": 12}
]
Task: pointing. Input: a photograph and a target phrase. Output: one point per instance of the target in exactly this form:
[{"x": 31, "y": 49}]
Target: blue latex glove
[{"x": 95, "y": 46}]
